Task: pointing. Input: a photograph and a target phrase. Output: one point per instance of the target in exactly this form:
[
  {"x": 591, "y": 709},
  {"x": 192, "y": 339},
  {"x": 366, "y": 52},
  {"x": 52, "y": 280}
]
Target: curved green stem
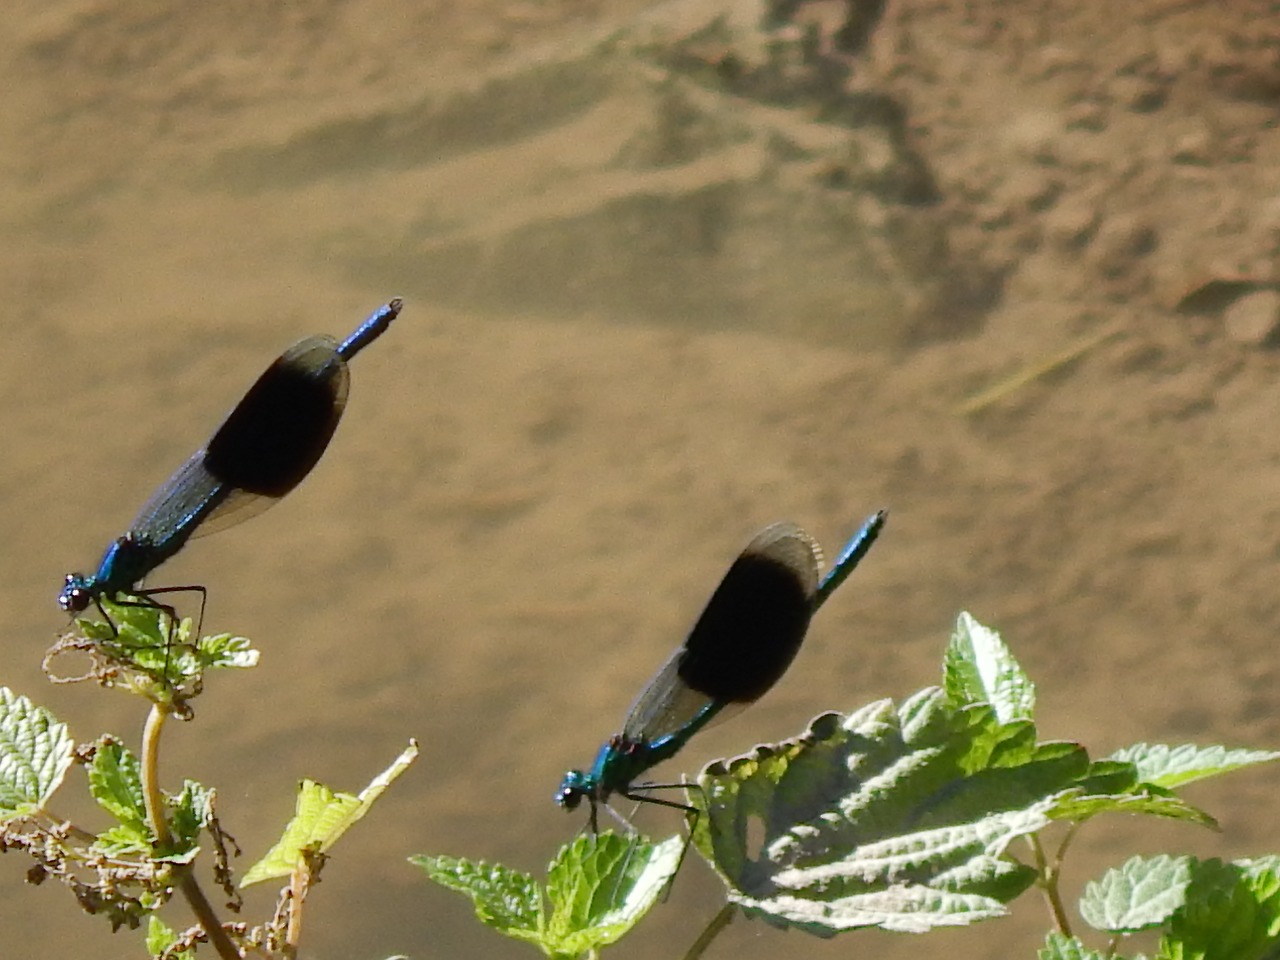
[
  {"x": 711, "y": 931},
  {"x": 153, "y": 801},
  {"x": 151, "y": 795}
]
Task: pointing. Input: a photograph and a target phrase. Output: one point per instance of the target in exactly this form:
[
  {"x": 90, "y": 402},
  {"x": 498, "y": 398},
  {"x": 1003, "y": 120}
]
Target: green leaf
[
  {"x": 35, "y": 752},
  {"x": 1079, "y": 806},
  {"x": 187, "y": 660},
  {"x": 598, "y": 888},
  {"x": 190, "y": 812},
  {"x": 225, "y": 651},
  {"x": 505, "y": 899},
  {"x": 1170, "y": 767},
  {"x": 979, "y": 668},
  {"x": 145, "y": 636},
  {"x": 160, "y": 937},
  {"x": 1115, "y": 786},
  {"x": 124, "y": 839},
  {"x": 147, "y": 640},
  {"x": 883, "y": 818},
  {"x": 1141, "y": 894},
  {"x": 321, "y": 816},
  {"x": 318, "y": 812},
  {"x": 1059, "y": 947},
  {"x": 1232, "y": 912},
  {"x": 116, "y": 783},
  {"x": 1107, "y": 777}
]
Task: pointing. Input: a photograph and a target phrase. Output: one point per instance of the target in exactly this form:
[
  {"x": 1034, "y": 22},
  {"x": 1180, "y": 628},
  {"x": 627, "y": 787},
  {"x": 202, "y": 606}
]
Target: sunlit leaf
[
  {"x": 1141, "y": 894},
  {"x": 1169, "y": 767},
  {"x": 1078, "y": 805},
  {"x": 225, "y": 651},
  {"x": 320, "y": 817},
  {"x": 1059, "y": 947},
  {"x": 598, "y": 888},
  {"x": 882, "y": 818},
  {"x": 1231, "y": 912},
  {"x": 147, "y": 640},
  {"x": 35, "y": 752},
  {"x": 980, "y": 668},
  {"x": 160, "y": 937},
  {"x": 116, "y": 783},
  {"x": 124, "y": 839},
  {"x": 189, "y": 813},
  {"x": 505, "y": 899}
]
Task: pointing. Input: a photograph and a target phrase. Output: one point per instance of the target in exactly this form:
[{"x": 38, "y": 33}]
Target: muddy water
[{"x": 619, "y": 357}]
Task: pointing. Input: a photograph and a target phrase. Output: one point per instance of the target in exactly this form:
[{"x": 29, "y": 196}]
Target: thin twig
[
  {"x": 711, "y": 931},
  {"x": 203, "y": 910},
  {"x": 69, "y": 828},
  {"x": 1035, "y": 371},
  {"x": 1062, "y": 847},
  {"x": 1048, "y": 882}
]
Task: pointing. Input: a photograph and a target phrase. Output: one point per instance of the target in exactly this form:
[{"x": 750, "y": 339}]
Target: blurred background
[{"x": 672, "y": 273}]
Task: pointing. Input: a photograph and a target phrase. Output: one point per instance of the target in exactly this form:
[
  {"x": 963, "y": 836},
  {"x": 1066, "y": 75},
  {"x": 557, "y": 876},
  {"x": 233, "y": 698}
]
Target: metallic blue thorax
[{"x": 621, "y": 760}]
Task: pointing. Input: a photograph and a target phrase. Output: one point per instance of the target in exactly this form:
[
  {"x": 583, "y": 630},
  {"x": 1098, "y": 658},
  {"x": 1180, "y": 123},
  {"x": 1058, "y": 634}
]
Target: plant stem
[
  {"x": 71, "y": 829},
  {"x": 151, "y": 796},
  {"x": 298, "y": 885},
  {"x": 153, "y": 800},
  {"x": 1062, "y": 847},
  {"x": 712, "y": 930},
  {"x": 1048, "y": 882},
  {"x": 203, "y": 910}
]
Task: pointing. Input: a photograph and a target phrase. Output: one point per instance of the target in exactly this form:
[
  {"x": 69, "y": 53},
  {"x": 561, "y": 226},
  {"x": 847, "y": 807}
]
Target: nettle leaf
[
  {"x": 148, "y": 639},
  {"x": 160, "y": 937},
  {"x": 1109, "y": 777},
  {"x": 1141, "y": 894},
  {"x": 896, "y": 817},
  {"x": 320, "y": 817},
  {"x": 137, "y": 620},
  {"x": 1079, "y": 806},
  {"x": 980, "y": 668},
  {"x": 190, "y": 812},
  {"x": 124, "y": 839},
  {"x": 35, "y": 752},
  {"x": 505, "y": 899},
  {"x": 598, "y": 888},
  {"x": 225, "y": 651},
  {"x": 189, "y": 658},
  {"x": 1169, "y": 767},
  {"x": 144, "y": 635},
  {"x": 317, "y": 812},
  {"x": 1116, "y": 785},
  {"x": 116, "y": 783},
  {"x": 1231, "y": 912},
  {"x": 1059, "y": 947}
]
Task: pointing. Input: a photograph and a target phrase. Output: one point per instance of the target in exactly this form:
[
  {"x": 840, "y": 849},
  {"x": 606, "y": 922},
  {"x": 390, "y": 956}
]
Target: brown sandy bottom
[{"x": 631, "y": 341}]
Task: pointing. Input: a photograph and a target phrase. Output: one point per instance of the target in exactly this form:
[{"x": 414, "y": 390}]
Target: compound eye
[
  {"x": 569, "y": 798},
  {"x": 74, "y": 598}
]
